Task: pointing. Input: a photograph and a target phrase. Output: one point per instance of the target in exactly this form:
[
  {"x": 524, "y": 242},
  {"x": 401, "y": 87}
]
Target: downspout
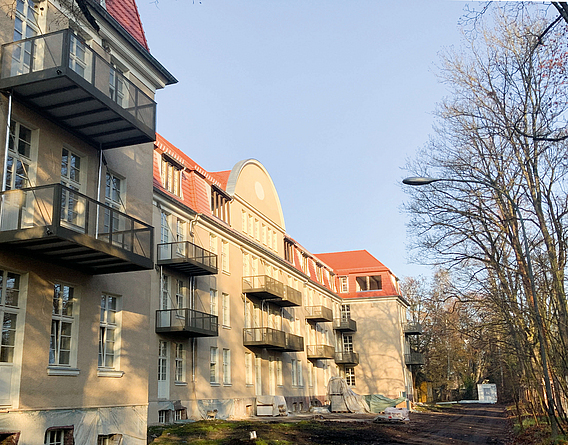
[
  {"x": 192, "y": 225},
  {"x": 7, "y": 143},
  {"x": 99, "y": 192}
]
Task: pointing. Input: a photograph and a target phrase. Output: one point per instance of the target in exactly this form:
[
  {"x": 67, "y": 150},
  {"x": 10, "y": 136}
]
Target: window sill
[
  {"x": 226, "y": 272},
  {"x": 109, "y": 373},
  {"x": 214, "y": 383},
  {"x": 180, "y": 383},
  {"x": 227, "y": 384},
  {"x": 226, "y": 327},
  {"x": 58, "y": 370}
]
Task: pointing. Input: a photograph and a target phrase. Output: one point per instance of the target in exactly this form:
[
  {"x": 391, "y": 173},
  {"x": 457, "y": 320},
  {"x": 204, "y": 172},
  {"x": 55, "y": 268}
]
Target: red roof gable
[{"x": 126, "y": 13}]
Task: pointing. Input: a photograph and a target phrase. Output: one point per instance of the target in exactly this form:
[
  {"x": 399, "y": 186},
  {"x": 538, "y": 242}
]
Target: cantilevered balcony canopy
[
  {"x": 63, "y": 226},
  {"x": 63, "y": 79},
  {"x": 414, "y": 358},
  {"x": 345, "y": 324},
  {"x": 318, "y": 314},
  {"x": 347, "y": 358},
  {"x": 187, "y": 258},
  {"x": 315, "y": 352},
  {"x": 185, "y": 323},
  {"x": 265, "y": 287}
]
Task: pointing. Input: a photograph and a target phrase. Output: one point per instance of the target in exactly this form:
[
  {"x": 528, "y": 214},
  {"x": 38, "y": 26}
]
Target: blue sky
[{"x": 330, "y": 96}]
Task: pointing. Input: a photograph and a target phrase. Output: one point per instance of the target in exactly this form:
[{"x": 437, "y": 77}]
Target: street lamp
[{"x": 420, "y": 180}]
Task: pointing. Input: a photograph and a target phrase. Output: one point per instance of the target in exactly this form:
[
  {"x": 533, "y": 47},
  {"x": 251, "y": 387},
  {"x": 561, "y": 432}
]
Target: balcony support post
[{"x": 7, "y": 144}]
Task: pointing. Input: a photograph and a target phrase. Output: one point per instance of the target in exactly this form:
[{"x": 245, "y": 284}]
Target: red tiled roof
[
  {"x": 222, "y": 177},
  {"x": 351, "y": 261},
  {"x": 126, "y": 13}
]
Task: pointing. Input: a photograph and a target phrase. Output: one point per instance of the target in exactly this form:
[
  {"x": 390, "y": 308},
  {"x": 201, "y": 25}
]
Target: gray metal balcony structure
[
  {"x": 347, "y": 358},
  {"x": 263, "y": 287},
  {"x": 187, "y": 258},
  {"x": 294, "y": 343},
  {"x": 186, "y": 323},
  {"x": 414, "y": 358},
  {"x": 63, "y": 79},
  {"x": 315, "y": 352},
  {"x": 317, "y": 314},
  {"x": 345, "y": 324},
  {"x": 60, "y": 225},
  {"x": 412, "y": 328},
  {"x": 268, "y": 338}
]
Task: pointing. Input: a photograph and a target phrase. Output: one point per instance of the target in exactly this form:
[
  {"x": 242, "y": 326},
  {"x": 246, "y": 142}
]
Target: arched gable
[{"x": 250, "y": 181}]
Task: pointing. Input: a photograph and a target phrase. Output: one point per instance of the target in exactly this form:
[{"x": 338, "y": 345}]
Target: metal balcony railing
[
  {"x": 186, "y": 323},
  {"x": 187, "y": 258},
  {"x": 294, "y": 343},
  {"x": 264, "y": 337},
  {"x": 263, "y": 287},
  {"x": 66, "y": 227},
  {"x": 412, "y": 328},
  {"x": 63, "y": 78},
  {"x": 292, "y": 297},
  {"x": 318, "y": 313},
  {"x": 414, "y": 358},
  {"x": 320, "y": 351},
  {"x": 345, "y": 324},
  {"x": 347, "y": 358}
]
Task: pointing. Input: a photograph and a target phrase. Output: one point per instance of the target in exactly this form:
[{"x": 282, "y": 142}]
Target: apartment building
[
  {"x": 247, "y": 321},
  {"x": 77, "y": 125}
]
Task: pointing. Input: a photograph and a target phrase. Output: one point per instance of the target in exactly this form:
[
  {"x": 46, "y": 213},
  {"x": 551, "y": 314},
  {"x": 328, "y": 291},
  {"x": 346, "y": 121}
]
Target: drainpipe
[
  {"x": 7, "y": 144},
  {"x": 192, "y": 225},
  {"x": 99, "y": 192}
]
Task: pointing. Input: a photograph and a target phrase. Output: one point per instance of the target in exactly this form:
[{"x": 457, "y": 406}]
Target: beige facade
[{"x": 75, "y": 237}]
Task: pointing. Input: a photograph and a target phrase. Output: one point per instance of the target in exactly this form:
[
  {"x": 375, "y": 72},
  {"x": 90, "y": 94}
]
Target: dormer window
[
  {"x": 171, "y": 176},
  {"x": 369, "y": 283},
  {"x": 220, "y": 205},
  {"x": 288, "y": 251}
]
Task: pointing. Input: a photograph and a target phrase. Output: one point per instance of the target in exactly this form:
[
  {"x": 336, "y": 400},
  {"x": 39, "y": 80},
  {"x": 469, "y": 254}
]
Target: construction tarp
[
  {"x": 343, "y": 399},
  {"x": 377, "y": 402}
]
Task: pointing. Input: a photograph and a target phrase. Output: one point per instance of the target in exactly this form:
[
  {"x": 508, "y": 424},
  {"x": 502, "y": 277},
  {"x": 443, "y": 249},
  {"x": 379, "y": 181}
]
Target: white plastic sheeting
[
  {"x": 87, "y": 424},
  {"x": 223, "y": 409},
  {"x": 343, "y": 399},
  {"x": 487, "y": 393}
]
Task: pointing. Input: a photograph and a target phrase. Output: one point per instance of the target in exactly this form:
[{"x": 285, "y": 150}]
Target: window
[
  {"x": 294, "y": 373},
  {"x": 25, "y": 26},
  {"x": 71, "y": 177},
  {"x": 164, "y": 228},
  {"x": 180, "y": 294},
  {"x": 19, "y": 157},
  {"x": 108, "y": 332},
  {"x": 305, "y": 264},
  {"x": 347, "y": 343},
  {"x": 165, "y": 301},
  {"x": 345, "y": 311},
  {"x": 350, "y": 376},
  {"x": 288, "y": 251},
  {"x": 226, "y": 366},
  {"x": 220, "y": 205},
  {"x": 116, "y": 86},
  {"x": 369, "y": 283},
  {"x": 213, "y": 303},
  {"x": 171, "y": 176},
  {"x": 180, "y": 230},
  {"x": 310, "y": 374},
  {"x": 180, "y": 363},
  {"x": 62, "y": 321},
  {"x": 109, "y": 439},
  {"x": 114, "y": 199},
  {"x": 180, "y": 414},
  {"x": 9, "y": 303},
  {"x": 225, "y": 256},
  {"x": 162, "y": 361},
  {"x": 300, "y": 373},
  {"x": 279, "y": 374},
  {"x": 214, "y": 365},
  {"x": 248, "y": 368},
  {"x": 226, "y": 310},
  {"x": 59, "y": 436},
  {"x": 164, "y": 416},
  {"x": 319, "y": 272},
  {"x": 78, "y": 57}
]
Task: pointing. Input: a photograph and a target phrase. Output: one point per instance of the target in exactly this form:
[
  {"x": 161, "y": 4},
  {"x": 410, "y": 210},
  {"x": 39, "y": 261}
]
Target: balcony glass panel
[
  {"x": 186, "y": 323},
  {"x": 65, "y": 226},
  {"x": 64, "y": 78},
  {"x": 187, "y": 258}
]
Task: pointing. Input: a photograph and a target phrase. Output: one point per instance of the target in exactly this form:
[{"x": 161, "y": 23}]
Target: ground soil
[{"x": 455, "y": 425}]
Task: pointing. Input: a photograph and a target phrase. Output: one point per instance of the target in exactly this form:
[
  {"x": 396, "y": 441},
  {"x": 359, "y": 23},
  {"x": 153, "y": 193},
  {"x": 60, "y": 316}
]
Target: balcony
[
  {"x": 63, "y": 79},
  {"x": 187, "y": 258},
  {"x": 294, "y": 343},
  {"x": 185, "y": 323},
  {"x": 263, "y": 287},
  {"x": 65, "y": 227},
  {"x": 320, "y": 352},
  {"x": 318, "y": 314},
  {"x": 414, "y": 358},
  {"x": 292, "y": 297},
  {"x": 264, "y": 338},
  {"x": 347, "y": 358},
  {"x": 412, "y": 328},
  {"x": 345, "y": 324}
]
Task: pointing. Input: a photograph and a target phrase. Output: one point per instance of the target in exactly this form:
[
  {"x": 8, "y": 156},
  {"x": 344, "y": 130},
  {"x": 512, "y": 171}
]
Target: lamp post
[{"x": 419, "y": 181}]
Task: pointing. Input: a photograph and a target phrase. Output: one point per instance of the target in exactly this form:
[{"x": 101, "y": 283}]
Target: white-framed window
[
  {"x": 63, "y": 330},
  {"x": 165, "y": 300},
  {"x": 164, "y": 416},
  {"x": 214, "y": 365},
  {"x": 171, "y": 176},
  {"x": 350, "y": 376},
  {"x": 213, "y": 243},
  {"x": 109, "y": 439},
  {"x": 116, "y": 86},
  {"x": 180, "y": 363},
  {"x": 25, "y": 26},
  {"x": 279, "y": 372},
  {"x": 226, "y": 366},
  {"x": 226, "y": 310},
  {"x": 180, "y": 297},
  {"x": 19, "y": 156},
  {"x": 300, "y": 373},
  {"x": 71, "y": 177},
  {"x": 9, "y": 313},
  {"x": 162, "y": 361},
  {"x": 214, "y": 305},
  {"x": 248, "y": 368},
  {"x": 78, "y": 56},
  {"x": 180, "y": 414},
  {"x": 294, "y": 372},
  {"x": 374, "y": 282},
  {"x": 347, "y": 343},
  {"x": 59, "y": 436},
  {"x": 345, "y": 311},
  {"x": 180, "y": 230},
  {"x": 164, "y": 228},
  {"x": 114, "y": 198},
  {"x": 225, "y": 256},
  {"x": 109, "y": 331}
]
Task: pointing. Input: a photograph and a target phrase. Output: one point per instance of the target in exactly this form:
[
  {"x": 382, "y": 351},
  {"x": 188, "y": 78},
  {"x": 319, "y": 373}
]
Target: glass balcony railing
[
  {"x": 187, "y": 258},
  {"x": 186, "y": 323},
  {"x": 61, "y": 76},
  {"x": 318, "y": 313},
  {"x": 320, "y": 351},
  {"x": 263, "y": 287},
  {"x": 63, "y": 226}
]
